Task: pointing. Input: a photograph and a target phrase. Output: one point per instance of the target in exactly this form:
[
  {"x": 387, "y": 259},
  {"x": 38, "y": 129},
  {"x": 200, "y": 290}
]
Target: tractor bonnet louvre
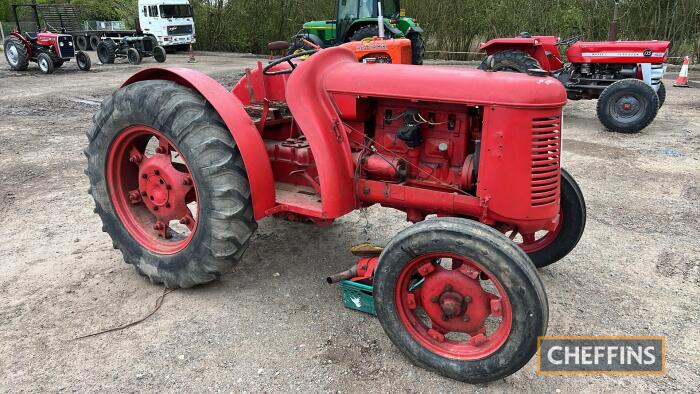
[{"x": 544, "y": 187}]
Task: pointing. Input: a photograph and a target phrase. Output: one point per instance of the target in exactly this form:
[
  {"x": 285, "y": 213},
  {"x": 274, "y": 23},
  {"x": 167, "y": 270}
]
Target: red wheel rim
[
  {"x": 534, "y": 242},
  {"x": 453, "y": 306},
  {"x": 152, "y": 190}
]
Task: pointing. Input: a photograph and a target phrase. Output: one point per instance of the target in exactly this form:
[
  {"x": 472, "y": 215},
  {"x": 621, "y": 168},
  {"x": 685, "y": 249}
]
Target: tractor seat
[
  {"x": 277, "y": 47},
  {"x": 30, "y": 36}
]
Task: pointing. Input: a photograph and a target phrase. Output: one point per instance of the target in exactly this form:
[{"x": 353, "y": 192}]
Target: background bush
[{"x": 451, "y": 25}]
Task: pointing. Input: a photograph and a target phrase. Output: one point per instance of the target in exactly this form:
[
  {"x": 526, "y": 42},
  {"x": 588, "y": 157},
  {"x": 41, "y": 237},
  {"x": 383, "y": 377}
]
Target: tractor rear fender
[
  {"x": 238, "y": 122},
  {"x": 25, "y": 42},
  {"x": 414, "y": 30},
  {"x": 546, "y": 53}
]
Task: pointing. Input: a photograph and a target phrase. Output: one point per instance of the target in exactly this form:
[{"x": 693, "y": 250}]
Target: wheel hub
[
  {"x": 13, "y": 54},
  {"x": 455, "y": 301},
  {"x": 628, "y": 106}
]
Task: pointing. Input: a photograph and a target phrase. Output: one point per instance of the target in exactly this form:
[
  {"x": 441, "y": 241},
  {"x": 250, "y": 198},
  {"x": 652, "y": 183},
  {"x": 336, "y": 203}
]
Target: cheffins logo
[{"x": 601, "y": 355}]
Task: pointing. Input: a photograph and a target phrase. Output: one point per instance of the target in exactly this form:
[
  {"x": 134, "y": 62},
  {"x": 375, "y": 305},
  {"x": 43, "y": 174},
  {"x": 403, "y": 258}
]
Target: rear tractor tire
[
  {"x": 46, "y": 63},
  {"x": 510, "y": 60},
  {"x": 16, "y": 54},
  {"x": 133, "y": 56},
  {"x": 169, "y": 183},
  {"x": 417, "y": 48},
  {"x": 459, "y": 298},
  {"x": 546, "y": 248},
  {"x": 662, "y": 94},
  {"x": 106, "y": 51},
  {"x": 627, "y": 106}
]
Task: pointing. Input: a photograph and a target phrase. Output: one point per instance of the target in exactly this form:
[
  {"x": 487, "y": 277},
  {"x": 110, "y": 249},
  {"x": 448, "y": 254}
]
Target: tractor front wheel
[
  {"x": 628, "y": 106},
  {"x": 458, "y": 297},
  {"x": 548, "y": 247},
  {"x": 46, "y": 63},
  {"x": 510, "y": 60},
  {"x": 133, "y": 56},
  {"x": 169, "y": 183},
  {"x": 16, "y": 54},
  {"x": 662, "y": 94},
  {"x": 83, "y": 60},
  {"x": 159, "y": 54}
]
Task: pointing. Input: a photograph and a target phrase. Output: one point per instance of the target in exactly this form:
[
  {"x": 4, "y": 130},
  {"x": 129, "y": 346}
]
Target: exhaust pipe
[
  {"x": 349, "y": 274},
  {"x": 612, "y": 35},
  {"x": 380, "y": 19}
]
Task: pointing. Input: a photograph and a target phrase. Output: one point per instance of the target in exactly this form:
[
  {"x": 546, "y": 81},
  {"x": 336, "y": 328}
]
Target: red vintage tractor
[
  {"x": 49, "y": 50},
  {"x": 624, "y": 76},
  {"x": 181, "y": 177}
]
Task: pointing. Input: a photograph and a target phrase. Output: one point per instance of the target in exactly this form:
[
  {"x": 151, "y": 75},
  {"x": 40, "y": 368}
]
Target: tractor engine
[{"x": 588, "y": 80}]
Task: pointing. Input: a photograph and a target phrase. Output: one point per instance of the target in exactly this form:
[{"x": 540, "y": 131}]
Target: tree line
[{"x": 450, "y": 25}]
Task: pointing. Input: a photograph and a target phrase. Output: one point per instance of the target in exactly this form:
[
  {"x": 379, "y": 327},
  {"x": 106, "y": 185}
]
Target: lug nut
[
  {"x": 143, "y": 194},
  {"x": 155, "y": 208},
  {"x": 167, "y": 205},
  {"x": 185, "y": 220},
  {"x": 160, "y": 150},
  {"x": 167, "y": 187},
  {"x": 448, "y": 287},
  {"x": 157, "y": 172},
  {"x": 144, "y": 176}
]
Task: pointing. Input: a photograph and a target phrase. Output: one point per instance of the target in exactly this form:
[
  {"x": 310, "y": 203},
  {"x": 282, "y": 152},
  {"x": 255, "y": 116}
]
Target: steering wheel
[
  {"x": 570, "y": 41},
  {"x": 288, "y": 59}
]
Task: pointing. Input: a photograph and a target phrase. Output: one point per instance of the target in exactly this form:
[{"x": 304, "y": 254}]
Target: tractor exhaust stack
[
  {"x": 612, "y": 35},
  {"x": 380, "y": 19}
]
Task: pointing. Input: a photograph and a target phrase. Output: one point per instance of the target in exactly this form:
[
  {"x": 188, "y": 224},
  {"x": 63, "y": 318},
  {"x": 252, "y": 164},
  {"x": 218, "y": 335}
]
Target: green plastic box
[{"x": 358, "y": 296}]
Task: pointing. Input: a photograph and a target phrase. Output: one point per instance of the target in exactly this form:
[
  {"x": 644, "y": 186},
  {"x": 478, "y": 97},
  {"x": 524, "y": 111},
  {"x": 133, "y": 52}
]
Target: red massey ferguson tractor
[
  {"x": 49, "y": 50},
  {"x": 181, "y": 177},
  {"x": 624, "y": 76}
]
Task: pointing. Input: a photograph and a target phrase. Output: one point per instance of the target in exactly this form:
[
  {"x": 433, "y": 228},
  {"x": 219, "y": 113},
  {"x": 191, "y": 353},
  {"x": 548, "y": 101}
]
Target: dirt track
[{"x": 273, "y": 324}]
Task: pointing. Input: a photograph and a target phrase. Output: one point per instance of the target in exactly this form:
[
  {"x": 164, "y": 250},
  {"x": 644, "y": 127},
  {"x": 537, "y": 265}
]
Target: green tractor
[{"x": 357, "y": 20}]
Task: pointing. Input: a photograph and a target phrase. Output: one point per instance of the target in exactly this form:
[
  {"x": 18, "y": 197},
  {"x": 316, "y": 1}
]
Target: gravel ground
[{"x": 273, "y": 324}]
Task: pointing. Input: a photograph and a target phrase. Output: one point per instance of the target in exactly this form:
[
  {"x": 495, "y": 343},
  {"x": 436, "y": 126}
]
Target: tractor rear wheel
[
  {"x": 367, "y": 31},
  {"x": 83, "y": 60},
  {"x": 548, "y": 247},
  {"x": 662, "y": 94},
  {"x": 159, "y": 54},
  {"x": 510, "y": 60},
  {"x": 133, "y": 56},
  {"x": 417, "y": 48},
  {"x": 628, "y": 106},
  {"x": 58, "y": 63},
  {"x": 169, "y": 183},
  {"x": 45, "y": 62},
  {"x": 16, "y": 53},
  {"x": 458, "y": 297},
  {"x": 106, "y": 51}
]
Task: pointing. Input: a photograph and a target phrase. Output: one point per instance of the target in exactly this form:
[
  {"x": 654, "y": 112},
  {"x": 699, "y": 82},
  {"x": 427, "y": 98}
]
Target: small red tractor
[
  {"x": 182, "y": 169},
  {"x": 49, "y": 50},
  {"x": 624, "y": 76}
]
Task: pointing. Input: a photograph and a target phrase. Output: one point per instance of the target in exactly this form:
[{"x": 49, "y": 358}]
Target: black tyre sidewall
[
  {"x": 86, "y": 63},
  {"x": 516, "y": 61},
  {"x": 82, "y": 43},
  {"x": 93, "y": 42},
  {"x": 633, "y": 85},
  {"x": 661, "y": 93},
  {"x": 46, "y": 59},
  {"x": 573, "y": 217},
  {"x": 496, "y": 253},
  {"x": 133, "y": 56},
  {"x": 23, "y": 60},
  {"x": 134, "y": 104},
  {"x": 159, "y": 54},
  {"x": 417, "y": 48}
]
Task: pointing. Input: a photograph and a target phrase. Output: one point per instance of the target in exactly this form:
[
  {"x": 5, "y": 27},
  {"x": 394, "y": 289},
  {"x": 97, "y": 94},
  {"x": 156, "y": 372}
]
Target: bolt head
[
  {"x": 157, "y": 172},
  {"x": 155, "y": 208},
  {"x": 143, "y": 194},
  {"x": 144, "y": 176},
  {"x": 185, "y": 220},
  {"x": 168, "y": 187},
  {"x": 167, "y": 205}
]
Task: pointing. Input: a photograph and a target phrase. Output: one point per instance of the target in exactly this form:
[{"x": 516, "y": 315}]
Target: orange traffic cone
[
  {"x": 682, "y": 80},
  {"x": 192, "y": 59}
]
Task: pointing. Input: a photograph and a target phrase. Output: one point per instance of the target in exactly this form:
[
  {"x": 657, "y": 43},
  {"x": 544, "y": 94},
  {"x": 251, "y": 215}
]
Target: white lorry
[{"x": 170, "y": 21}]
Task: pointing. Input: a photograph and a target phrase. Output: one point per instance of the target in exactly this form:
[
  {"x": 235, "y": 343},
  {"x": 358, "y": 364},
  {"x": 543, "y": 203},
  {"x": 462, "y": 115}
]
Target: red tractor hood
[
  {"x": 654, "y": 52},
  {"x": 430, "y": 83}
]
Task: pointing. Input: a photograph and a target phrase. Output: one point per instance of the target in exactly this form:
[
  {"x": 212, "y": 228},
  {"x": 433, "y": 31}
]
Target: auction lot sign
[{"x": 601, "y": 355}]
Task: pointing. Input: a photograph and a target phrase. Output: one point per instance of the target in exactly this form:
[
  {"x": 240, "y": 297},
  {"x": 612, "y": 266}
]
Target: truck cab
[{"x": 170, "y": 21}]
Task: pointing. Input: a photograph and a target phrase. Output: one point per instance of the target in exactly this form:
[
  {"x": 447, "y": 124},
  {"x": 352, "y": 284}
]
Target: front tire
[
  {"x": 159, "y": 54},
  {"x": 627, "y": 106},
  {"x": 442, "y": 284},
  {"x": 662, "y": 94},
  {"x": 140, "y": 191},
  {"x": 83, "y": 60},
  {"x": 45, "y": 62},
  {"x": 133, "y": 56},
  {"x": 16, "y": 54}
]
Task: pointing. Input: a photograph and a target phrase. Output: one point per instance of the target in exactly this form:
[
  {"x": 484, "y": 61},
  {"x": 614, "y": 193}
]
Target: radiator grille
[
  {"x": 65, "y": 46},
  {"x": 546, "y": 145},
  {"x": 181, "y": 30}
]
